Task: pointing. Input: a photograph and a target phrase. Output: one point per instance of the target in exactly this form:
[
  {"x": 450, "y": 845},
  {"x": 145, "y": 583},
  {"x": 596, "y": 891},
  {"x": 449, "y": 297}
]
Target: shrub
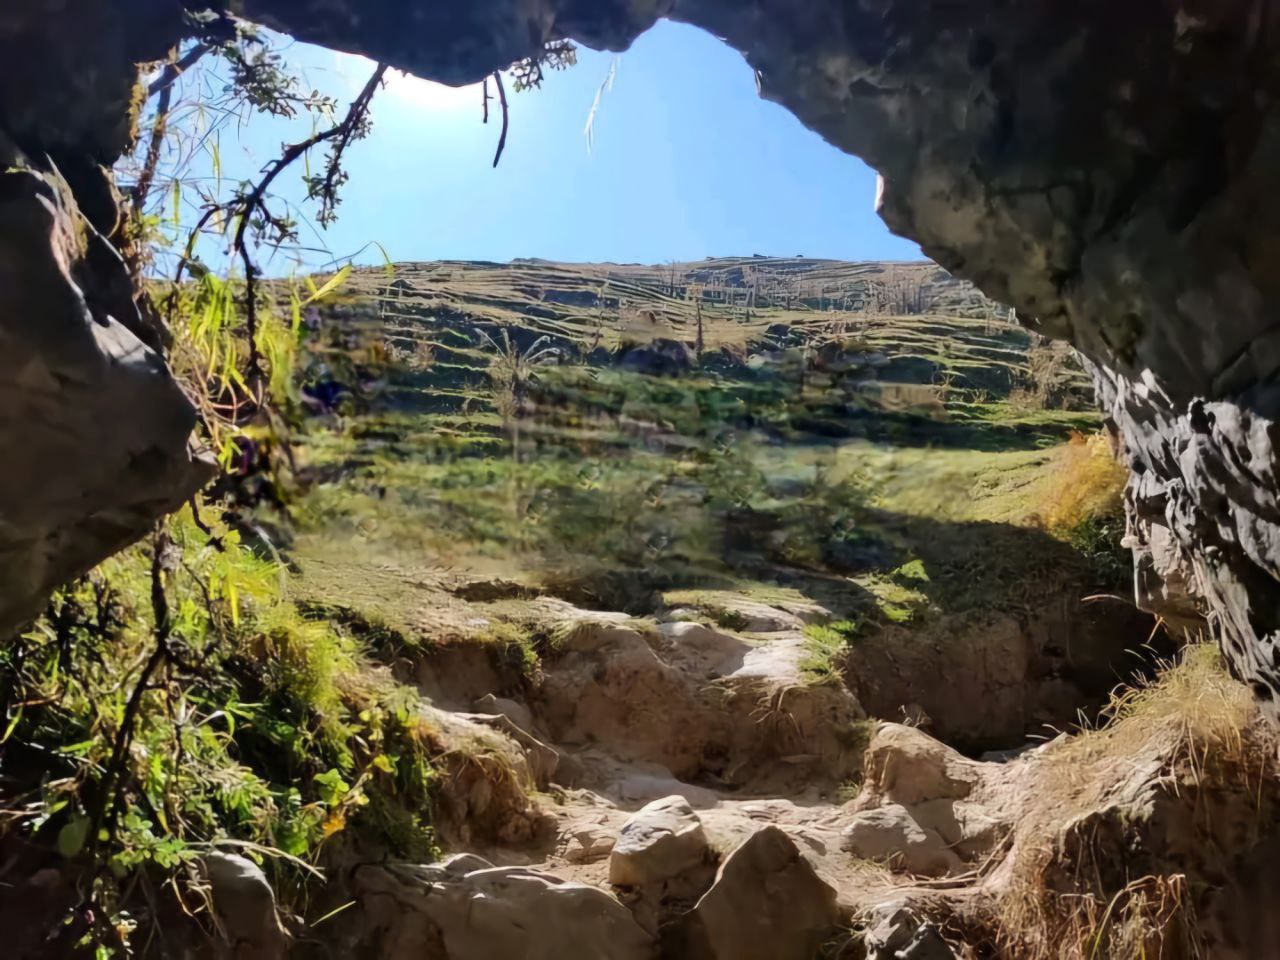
[{"x": 176, "y": 701}]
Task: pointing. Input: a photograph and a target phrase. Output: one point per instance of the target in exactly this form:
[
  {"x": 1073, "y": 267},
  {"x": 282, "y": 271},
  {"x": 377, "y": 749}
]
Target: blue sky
[{"x": 686, "y": 162}]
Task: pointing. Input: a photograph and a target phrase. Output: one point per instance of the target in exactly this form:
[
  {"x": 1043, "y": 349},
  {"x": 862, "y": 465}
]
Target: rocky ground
[{"x": 683, "y": 790}]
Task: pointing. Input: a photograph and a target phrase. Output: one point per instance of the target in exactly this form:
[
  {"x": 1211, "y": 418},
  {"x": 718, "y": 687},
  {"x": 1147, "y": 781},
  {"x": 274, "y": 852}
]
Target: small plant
[
  {"x": 511, "y": 371},
  {"x": 825, "y": 646},
  {"x": 517, "y": 646},
  {"x": 729, "y": 619},
  {"x": 183, "y": 704},
  {"x": 1086, "y": 508}
]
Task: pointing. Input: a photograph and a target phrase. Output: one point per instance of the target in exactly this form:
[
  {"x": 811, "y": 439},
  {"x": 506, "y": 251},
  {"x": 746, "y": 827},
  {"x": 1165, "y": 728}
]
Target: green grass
[
  {"x": 825, "y": 646},
  {"x": 265, "y": 723}
]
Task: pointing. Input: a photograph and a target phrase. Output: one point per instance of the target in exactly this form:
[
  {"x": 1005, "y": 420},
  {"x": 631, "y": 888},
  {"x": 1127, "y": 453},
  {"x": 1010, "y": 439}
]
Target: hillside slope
[{"x": 913, "y": 322}]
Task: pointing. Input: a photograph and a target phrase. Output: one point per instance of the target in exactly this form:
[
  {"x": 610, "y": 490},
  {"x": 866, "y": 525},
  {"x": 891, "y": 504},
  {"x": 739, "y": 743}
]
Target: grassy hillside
[
  {"x": 495, "y": 424},
  {"x": 907, "y": 323}
]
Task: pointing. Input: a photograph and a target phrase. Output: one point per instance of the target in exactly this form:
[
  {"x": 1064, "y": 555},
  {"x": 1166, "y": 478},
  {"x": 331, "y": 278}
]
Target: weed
[
  {"x": 729, "y": 619},
  {"x": 261, "y": 724},
  {"x": 1089, "y": 484},
  {"x": 517, "y": 646},
  {"x": 824, "y": 649},
  {"x": 1073, "y": 892}
]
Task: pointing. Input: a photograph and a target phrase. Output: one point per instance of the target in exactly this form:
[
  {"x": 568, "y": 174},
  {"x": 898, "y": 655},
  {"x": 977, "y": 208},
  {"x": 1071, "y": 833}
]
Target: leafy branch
[{"x": 248, "y": 208}]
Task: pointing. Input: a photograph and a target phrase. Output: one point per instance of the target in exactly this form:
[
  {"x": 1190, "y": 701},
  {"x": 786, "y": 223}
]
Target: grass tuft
[
  {"x": 825, "y": 647},
  {"x": 1084, "y": 883}
]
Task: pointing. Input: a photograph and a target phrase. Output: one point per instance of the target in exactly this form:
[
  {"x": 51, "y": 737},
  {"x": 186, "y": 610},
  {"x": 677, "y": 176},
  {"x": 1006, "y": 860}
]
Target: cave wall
[
  {"x": 1106, "y": 167},
  {"x": 94, "y": 432}
]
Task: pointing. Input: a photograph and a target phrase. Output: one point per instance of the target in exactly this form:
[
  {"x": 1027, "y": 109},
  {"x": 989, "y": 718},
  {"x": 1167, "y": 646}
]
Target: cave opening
[{"x": 474, "y": 479}]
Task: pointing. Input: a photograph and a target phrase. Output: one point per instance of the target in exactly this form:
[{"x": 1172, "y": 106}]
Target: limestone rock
[
  {"x": 701, "y": 649},
  {"x": 767, "y": 903},
  {"x": 896, "y": 933},
  {"x": 970, "y": 829},
  {"x": 245, "y": 907},
  {"x": 660, "y": 841},
  {"x": 95, "y": 429},
  {"x": 586, "y": 842},
  {"x": 517, "y": 713},
  {"x": 607, "y": 685},
  {"x": 466, "y": 909},
  {"x": 908, "y": 767},
  {"x": 891, "y": 835}
]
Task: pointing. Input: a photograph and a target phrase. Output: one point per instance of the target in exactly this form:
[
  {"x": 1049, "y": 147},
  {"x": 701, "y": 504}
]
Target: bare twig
[
  {"x": 177, "y": 68},
  {"x": 254, "y": 200},
  {"x": 111, "y": 796},
  {"x": 152, "y": 160},
  {"x": 242, "y": 208},
  {"x": 506, "y": 115}
]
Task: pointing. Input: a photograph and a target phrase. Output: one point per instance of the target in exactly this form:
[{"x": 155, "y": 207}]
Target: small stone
[
  {"x": 661, "y": 841},
  {"x": 896, "y": 933},
  {"x": 587, "y": 843},
  {"x": 890, "y": 834},
  {"x": 245, "y": 906},
  {"x": 767, "y": 903}
]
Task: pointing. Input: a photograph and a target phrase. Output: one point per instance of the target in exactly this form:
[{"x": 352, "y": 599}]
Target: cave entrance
[{"x": 854, "y": 430}]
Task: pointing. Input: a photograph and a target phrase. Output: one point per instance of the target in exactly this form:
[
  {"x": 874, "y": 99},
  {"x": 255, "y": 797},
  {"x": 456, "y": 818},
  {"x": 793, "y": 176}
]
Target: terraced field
[{"x": 918, "y": 324}]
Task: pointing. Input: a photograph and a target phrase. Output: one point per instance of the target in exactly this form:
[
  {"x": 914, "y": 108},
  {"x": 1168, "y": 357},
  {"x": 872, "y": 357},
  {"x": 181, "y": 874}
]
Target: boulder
[
  {"x": 767, "y": 903},
  {"x": 97, "y": 432},
  {"x": 662, "y": 357},
  {"x": 970, "y": 829},
  {"x": 517, "y": 713},
  {"x": 896, "y": 933},
  {"x": 908, "y": 767},
  {"x": 890, "y": 834},
  {"x": 245, "y": 907},
  {"x": 662, "y": 840},
  {"x": 605, "y": 684},
  {"x": 466, "y": 909},
  {"x": 586, "y": 842},
  {"x": 702, "y": 650}
]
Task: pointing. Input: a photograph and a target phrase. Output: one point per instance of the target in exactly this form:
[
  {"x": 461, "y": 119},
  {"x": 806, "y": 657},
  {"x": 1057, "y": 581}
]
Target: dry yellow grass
[
  {"x": 1089, "y": 483},
  {"x": 1080, "y": 885}
]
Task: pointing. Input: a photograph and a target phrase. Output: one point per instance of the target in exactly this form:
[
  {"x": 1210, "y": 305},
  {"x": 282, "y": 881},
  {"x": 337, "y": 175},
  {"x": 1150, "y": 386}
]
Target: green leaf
[
  {"x": 72, "y": 836},
  {"x": 177, "y": 202},
  {"x": 8, "y": 731},
  {"x": 233, "y": 599},
  {"x": 329, "y": 285},
  {"x": 387, "y": 265},
  {"x": 332, "y": 787}
]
